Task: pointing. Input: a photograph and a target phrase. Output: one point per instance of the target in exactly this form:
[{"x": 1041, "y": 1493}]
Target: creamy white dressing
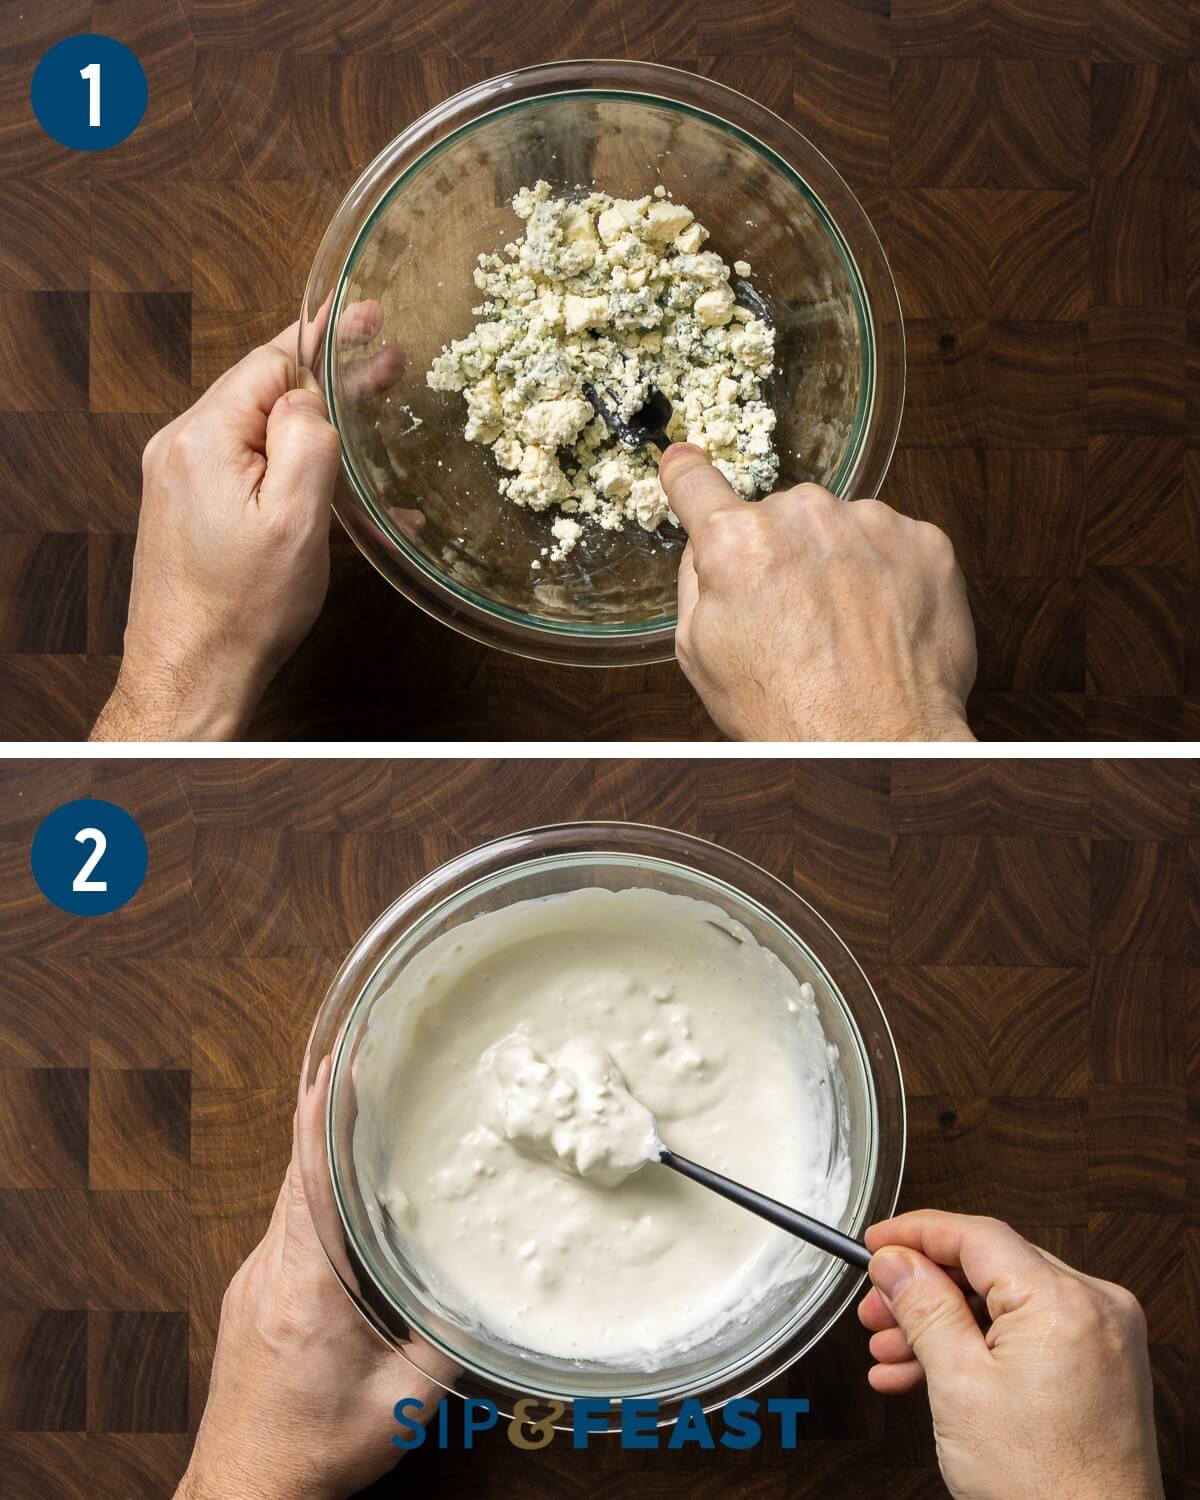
[{"x": 508, "y": 1088}]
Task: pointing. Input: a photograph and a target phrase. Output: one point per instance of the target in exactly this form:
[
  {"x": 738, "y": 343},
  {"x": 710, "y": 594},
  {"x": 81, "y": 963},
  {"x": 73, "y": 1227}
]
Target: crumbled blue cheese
[{"x": 615, "y": 292}]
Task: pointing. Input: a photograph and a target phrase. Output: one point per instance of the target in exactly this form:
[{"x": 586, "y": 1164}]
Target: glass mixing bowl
[
  {"x": 372, "y": 1264},
  {"x": 419, "y": 500}
]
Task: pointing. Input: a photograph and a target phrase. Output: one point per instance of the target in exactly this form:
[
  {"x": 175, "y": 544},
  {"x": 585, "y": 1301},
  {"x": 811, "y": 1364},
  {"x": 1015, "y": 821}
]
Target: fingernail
[
  {"x": 890, "y": 1271},
  {"x": 302, "y": 400},
  {"x": 677, "y": 450},
  {"x": 323, "y": 1069}
]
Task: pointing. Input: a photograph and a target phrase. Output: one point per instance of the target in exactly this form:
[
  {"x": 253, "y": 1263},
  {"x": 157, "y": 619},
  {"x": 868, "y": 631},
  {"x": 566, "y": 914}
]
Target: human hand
[
  {"x": 1050, "y": 1397},
  {"x": 302, "y": 1391},
  {"x": 805, "y": 618},
  {"x": 232, "y": 559}
]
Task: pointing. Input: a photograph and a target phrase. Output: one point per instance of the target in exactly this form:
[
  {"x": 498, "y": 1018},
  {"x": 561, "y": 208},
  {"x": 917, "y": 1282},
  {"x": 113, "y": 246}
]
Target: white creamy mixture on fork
[
  {"x": 619, "y": 294},
  {"x": 508, "y": 1087}
]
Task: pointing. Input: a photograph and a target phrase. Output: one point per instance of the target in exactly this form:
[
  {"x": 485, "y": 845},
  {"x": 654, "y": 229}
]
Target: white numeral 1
[
  {"x": 92, "y": 74},
  {"x": 93, "y": 836}
]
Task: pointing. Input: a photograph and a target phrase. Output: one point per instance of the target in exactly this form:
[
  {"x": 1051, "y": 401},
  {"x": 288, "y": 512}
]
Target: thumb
[
  {"x": 930, "y": 1309},
  {"x": 303, "y": 452},
  {"x": 693, "y": 486}
]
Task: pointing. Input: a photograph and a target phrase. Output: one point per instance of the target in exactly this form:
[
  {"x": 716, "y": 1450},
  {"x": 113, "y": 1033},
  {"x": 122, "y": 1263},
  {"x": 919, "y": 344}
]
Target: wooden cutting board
[
  {"x": 1026, "y": 163},
  {"x": 1026, "y": 925}
]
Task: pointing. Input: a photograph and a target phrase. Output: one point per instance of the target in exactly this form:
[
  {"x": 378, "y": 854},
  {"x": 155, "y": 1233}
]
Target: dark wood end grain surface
[
  {"x": 1032, "y": 930},
  {"x": 1032, "y": 169}
]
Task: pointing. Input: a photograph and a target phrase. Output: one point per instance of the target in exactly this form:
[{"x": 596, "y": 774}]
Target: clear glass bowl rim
[
  {"x": 881, "y": 399},
  {"x": 474, "y": 869}
]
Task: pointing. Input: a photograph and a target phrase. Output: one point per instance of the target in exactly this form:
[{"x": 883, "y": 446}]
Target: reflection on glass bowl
[{"x": 393, "y": 279}]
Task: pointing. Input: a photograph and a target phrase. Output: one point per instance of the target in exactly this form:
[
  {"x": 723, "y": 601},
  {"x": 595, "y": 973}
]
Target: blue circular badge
[
  {"x": 89, "y": 857},
  {"x": 89, "y": 92}
]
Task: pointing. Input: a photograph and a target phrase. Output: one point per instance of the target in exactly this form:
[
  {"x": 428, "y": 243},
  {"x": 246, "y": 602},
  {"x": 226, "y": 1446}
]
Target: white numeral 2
[
  {"x": 93, "y": 836},
  {"x": 92, "y": 74}
]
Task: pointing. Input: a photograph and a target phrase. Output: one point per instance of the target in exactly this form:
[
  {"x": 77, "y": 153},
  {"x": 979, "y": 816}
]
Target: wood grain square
[
  {"x": 931, "y": 798},
  {"x": 142, "y": 237},
  {"x": 45, "y": 1109},
  {"x": 152, "y": 914},
  {"x": 1038, "y": 270},
  {"x": 1136, "y": 627},
  {"x": 43, "y": 1245},
  {"x": 856, "y": 139},
  {"x": 949, "y": 400},
  {"x": 844, "y": 802},
  {"x": 44, "y": 236},
  {"x": 40, "y": 1464},
  {"x": 940, "y": 28},
  {"x": 139, "y": 351},
  {"x": 248, "y": 235},
  {"x": 1039, "y": 126},
  {"x": 1143, "y": 1252},
  {"x": 109, "y": 580},
  {"x": 1033, "y": 635},
  {"x": 1037, "y": 380},
  {"x": 43, "y": 697},
  {"x": 1039, "y": 906},
  {"x": 940, "y": 899},
  {"x": 241, "y": 881},
  {"x": 858, "y": 909},
  {"x": 767, "y": 77},
  {"x": 1139, "y": 1019},
  {"x": 40, "y": 455},
  {"x": 137, "y": 1372},
  {"x": 117, "y": 441},
  {"x": 139, "y": 1129},
  {"x": 1139, "y": 121},
  {"x": 44, "y": 1011},
  {"x": 1127, "y": 31},
  {"x": 161, "y": 146},
  {"x": 241, "y": 1145},
  {"x": 247, "y": 125},
  {"x": 216, "y": 1248},
  {"x": 1021, "y": 28},
  {"x": 616, "y": 784},
  {"x": 1147, "y": 799},
  {"x": 1137, "y": 363},
  {"x": 943, "y": 1026},
  {"x": 43, "y": 351},
  {"x": 746, "y": 797},
  {"x": 1129, "y": 717},
  {"x": 141, "y": 1015},
  {"x": 1136, "y": 505},
  {"x": 43, "y": 593},
  {"x": 946, "y": 487},
  {"x": 1135, "y": 1149},
  {"x": 1038, "y": 1045},
  {"x": 350, "y": 879},
  {"x": 950, "y": 1153},
  {"x": 1138, "y": 242},
  {"x": 1028, "y": 1130},
  {"x": 765, "y": 26},
  {"x": 139, "y": 1463},
  {"x": 1035, "y": 513},
  {"x": 355, "y": 26},
  {"x": 1139, "y": 898},
  {"x": 939, "y": 246},
  {"x": 138, "y": 1251},
  {"x": 43, "y": 1375},
  {"x": 1039, "y": 797},
  {"x": 854, "y": 30},
  {"x": 252, "y": 1018},
  {"x": 26, "y": 151},
  {"x": 939, "y": 119},
  {"x": 30, "y": 32},
  {"x": 221, "y": 793}
]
